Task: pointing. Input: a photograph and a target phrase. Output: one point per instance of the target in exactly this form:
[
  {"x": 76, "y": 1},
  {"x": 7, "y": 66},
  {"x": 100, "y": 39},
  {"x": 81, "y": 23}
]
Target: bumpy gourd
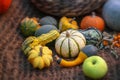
[
  {"x": 40, "y": 57},
  {"x": 46, "y": 38},
  {"x": 87, "y": 51},
  {"x": 33, "y": 41},
  {"x": 69, "y": 43},
  {"x": 67, "y": 23},
  {"x": 25, "y": 45}
]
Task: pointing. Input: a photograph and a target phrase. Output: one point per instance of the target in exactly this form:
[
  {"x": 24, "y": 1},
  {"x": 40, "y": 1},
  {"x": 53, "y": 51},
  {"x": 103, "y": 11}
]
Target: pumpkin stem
[
  {"x": 67, "y": 34},
  {"x": 41, "y": 49},
  {"x": 72, "y": 20},
  {"x": 93, "y": 14}
]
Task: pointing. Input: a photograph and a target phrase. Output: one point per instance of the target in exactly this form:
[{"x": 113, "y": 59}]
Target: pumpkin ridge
[
  {"x": 80, "y": 37},
  {"x": 61, "y": 46},
  {"x": 77, "y": 44},
  {"x": 69, "y": 48},
  {"x": 72, "y": 32}
]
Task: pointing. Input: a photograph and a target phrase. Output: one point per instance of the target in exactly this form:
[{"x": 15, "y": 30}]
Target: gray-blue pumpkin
[
  {"x": 45, "y": 29},
  {"x": 48, "y": 20},
  {"x": 93, "y": 36},
  {"x": 111, "y": 14}
]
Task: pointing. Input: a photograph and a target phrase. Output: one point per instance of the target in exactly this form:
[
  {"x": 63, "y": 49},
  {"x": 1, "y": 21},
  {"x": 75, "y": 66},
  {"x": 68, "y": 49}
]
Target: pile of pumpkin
[
  {"x": 73, "y": 44},
  {"x": 71, "y": 41}
]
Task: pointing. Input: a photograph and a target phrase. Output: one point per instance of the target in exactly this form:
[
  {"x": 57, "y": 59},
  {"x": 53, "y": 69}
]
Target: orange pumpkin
[
  {"x": 92, "y": 21},
  {"x": 4, "y": 5}
]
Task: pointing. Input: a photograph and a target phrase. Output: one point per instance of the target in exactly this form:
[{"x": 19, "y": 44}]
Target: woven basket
[
  {"x": 14, "y": 64},
  {"x": 67, "y": 7}
]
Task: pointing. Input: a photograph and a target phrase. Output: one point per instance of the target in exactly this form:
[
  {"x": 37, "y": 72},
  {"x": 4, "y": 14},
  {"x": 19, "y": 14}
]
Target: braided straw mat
[{"x": 14, "y": 64}]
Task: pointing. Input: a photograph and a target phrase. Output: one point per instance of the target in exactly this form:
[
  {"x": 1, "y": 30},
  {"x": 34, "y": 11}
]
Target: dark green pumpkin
[
  {"x": 45, "y": 29},
  {"x": 93, "y": 36},
  {"x": 48, "y": 20}
]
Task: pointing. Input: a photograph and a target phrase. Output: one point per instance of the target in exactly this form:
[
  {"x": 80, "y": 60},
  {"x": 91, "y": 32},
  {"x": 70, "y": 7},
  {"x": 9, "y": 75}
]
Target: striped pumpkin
[{"x": 69, "y": 43}]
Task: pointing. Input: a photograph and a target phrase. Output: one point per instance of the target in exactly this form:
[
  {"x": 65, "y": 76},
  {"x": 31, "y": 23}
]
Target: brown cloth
[{"x": 14, "y": 64}]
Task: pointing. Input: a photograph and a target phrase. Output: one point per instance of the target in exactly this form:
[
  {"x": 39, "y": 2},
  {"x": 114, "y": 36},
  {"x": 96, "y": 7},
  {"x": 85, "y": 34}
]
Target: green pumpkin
[
  {"x": 45, "y": 29},
  {"x": 93, "y": 36},
  {"x": 48, "y": 20},
  {"x": 29, "y": 26}
]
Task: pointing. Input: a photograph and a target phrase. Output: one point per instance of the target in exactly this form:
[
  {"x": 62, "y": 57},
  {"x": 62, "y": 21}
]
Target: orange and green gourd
[{"x": 29, "y": 26}]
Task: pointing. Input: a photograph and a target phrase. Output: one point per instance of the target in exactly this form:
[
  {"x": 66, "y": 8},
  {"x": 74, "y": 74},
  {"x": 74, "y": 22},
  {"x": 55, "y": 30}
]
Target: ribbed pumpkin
[
  {"x": 69, "y": 43},
  {"x": 111, "y": 14},
  {"x": 94, "y": 21},
  {"x": 40, "y": 57}
]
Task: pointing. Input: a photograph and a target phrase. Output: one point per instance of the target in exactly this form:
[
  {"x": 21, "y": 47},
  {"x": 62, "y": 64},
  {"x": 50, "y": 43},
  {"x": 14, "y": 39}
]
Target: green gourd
[
  {"x": 44, "y": 39},
  {"x": 29, "y": 26}
]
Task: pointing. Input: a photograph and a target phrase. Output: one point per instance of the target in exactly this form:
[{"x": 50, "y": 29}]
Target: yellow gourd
[
  {"x": 33, "y": 41},
  {"x": 65, "y": 63}
]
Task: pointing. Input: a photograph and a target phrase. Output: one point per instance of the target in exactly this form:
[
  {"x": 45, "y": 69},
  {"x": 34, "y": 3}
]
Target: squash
[
  {"x": 44, "y": 29},
  {"x": 92, "y": 35},
  {"x": 46, "y": 38},
  {"x": 92, "y": 21},
  {"x": 40, "y": 57},
  {"x": 111, "y": 14},
  {"x": 25, "y": 45},
  {"x": 33, "y": 41},
  {"x": 87, "y": 51},
  {"x": 67, "y": 23},
  {"x": 48, "y": 20},
  {"x": 29, "y": 26},
  {"x": 69, "y": 43},
  {"x": 4, "y": 5}
]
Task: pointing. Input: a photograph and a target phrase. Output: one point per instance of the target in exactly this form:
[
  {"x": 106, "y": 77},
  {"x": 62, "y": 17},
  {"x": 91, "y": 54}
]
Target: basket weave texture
[
  {"x": 67, "y": 7},
  {"x": 14, "y": 64}
]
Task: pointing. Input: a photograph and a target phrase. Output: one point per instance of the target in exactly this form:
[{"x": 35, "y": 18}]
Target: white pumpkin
[{"x": 69, "y": 43}]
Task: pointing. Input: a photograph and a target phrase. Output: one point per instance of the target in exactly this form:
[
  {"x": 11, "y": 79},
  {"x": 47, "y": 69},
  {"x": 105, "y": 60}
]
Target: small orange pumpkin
[{"x": 92, "y": 21}]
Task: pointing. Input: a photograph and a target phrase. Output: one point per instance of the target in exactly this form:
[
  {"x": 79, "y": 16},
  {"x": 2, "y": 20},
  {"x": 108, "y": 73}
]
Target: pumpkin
[
  {"x": 69, "y": 43},
  {"x": 4, "y": 5},
  {"x": 111, "y": 14},
  {"x": 92, "y": 35},
  {"x": 45, "y": 29},
  {"x": 94, "y": 21},
  {"x": 87, "y": 51},
  {"x": 48, "y": 20},
  {"x": 29, "y": 26},
  {"x": 40, "y": 57},
  {"x": 33, "y": 41},
  {"x": 67, "y": 23}
]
